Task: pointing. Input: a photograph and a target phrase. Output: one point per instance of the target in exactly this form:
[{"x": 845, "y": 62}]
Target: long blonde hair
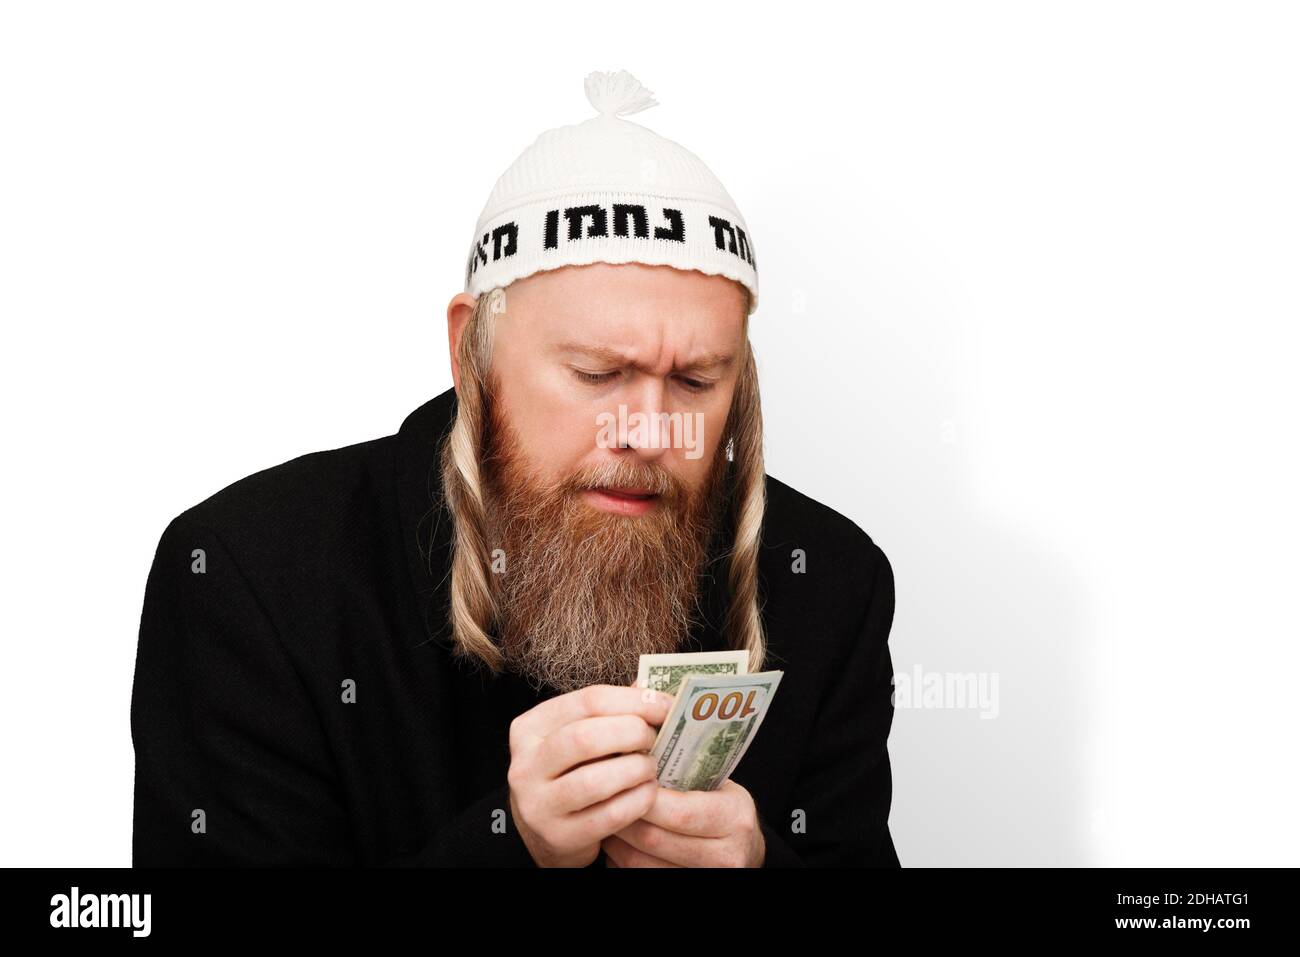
[{"x": 473, "y": 591}]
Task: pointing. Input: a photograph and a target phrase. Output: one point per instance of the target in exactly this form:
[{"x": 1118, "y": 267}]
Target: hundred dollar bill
[
  {"x": 665, "y": 672},
  {"x": 711, "y": 725}
]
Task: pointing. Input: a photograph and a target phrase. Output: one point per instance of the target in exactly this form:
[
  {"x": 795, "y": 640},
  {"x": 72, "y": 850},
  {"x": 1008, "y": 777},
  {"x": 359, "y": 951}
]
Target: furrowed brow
[
  {"x": 595, "y": 353},
  {"x": 710, "y": 361}
]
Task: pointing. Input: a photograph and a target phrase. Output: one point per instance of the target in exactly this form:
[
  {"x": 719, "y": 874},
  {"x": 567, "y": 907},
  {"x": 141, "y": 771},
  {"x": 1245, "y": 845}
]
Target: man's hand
[
  {"x": 692, "y": 829},
  {"x": 580, "y": 769}
]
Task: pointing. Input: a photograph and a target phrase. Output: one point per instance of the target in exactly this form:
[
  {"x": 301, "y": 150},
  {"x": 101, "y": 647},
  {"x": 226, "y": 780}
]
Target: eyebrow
[{"x": 709, "y": 360}]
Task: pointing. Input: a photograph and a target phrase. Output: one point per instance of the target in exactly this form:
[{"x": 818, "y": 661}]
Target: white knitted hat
[{"x": 609, "y": 190}]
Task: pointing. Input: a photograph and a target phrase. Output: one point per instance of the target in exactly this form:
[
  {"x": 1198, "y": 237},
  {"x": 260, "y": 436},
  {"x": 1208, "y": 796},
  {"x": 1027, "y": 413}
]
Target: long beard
[{"x": 584, "y": 592}]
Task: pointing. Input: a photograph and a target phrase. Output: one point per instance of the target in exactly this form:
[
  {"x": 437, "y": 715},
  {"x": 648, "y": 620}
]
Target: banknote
[
  {"x": 712, "y": 723},
  {"x": 665, "y": 672}
]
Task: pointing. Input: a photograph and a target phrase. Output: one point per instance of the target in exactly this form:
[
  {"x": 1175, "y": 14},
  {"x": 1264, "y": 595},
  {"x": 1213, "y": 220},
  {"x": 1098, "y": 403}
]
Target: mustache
[{"x": 627, "y": 474}]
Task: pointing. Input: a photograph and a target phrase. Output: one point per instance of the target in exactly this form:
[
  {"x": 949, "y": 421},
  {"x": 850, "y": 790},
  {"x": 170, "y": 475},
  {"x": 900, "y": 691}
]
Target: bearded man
[{"x": 422, "y": 649}]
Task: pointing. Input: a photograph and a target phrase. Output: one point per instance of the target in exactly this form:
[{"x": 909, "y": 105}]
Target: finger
[
  {"x": 598, "y": 780},
  {"x": 602, "y": 819},
  {"x": 623, "y": 854},
  {"x": 591, "y": 738},
  {"x": 589, "y": 702},
  {"x": 696, "y": 813},
  {"x": 683, "y": 850}
]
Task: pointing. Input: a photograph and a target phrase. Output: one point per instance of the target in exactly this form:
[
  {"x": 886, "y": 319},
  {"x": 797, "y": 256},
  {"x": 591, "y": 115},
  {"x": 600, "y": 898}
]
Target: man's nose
[{"x": 645, "y": 433}]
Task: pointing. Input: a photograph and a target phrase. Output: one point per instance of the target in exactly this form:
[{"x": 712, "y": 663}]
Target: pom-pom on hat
[{"x": 609, "y": 190}]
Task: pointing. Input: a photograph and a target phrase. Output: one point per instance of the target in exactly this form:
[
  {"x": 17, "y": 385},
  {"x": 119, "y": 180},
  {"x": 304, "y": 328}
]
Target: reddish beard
[{"x": 585, "y": 592}]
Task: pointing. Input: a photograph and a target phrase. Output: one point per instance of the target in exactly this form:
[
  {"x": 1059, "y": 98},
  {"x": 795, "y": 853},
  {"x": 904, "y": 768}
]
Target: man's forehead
[
  {"x": 623, "y": 315},
  {"x": 599, "y": 289}
]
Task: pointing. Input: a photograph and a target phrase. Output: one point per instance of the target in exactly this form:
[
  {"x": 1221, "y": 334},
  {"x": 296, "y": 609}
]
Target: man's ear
[{"x": 459, "y": 310}]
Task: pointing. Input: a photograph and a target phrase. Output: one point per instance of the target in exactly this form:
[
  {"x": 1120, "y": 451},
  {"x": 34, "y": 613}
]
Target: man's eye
[
  {"x": 594, "y": 377},
  {"x": 696, "y": 385}
]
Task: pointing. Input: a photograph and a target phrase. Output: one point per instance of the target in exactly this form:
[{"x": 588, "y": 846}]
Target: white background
[{"x": 1028, "y": 317}]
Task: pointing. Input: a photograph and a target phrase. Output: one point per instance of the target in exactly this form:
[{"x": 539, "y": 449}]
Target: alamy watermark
[
  {"x": 663, "y": 430},
  {"x": 947, "y": 690},
  {"x": 76, "y": 909}
]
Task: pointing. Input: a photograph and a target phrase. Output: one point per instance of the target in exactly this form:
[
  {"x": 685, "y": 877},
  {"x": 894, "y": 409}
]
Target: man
[{"x": 422, "y": 649}]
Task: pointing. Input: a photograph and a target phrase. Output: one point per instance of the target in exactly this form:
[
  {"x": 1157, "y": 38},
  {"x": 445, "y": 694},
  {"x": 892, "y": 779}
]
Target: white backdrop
[{"x": 1050, "y": 370}]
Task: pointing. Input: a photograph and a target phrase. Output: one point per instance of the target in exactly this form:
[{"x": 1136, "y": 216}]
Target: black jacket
[{"x": 273, "y": 597}]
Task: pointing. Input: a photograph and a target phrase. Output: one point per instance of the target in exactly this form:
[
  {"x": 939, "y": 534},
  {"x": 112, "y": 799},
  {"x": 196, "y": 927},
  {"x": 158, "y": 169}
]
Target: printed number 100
[{"x": 732, "y": 705}]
